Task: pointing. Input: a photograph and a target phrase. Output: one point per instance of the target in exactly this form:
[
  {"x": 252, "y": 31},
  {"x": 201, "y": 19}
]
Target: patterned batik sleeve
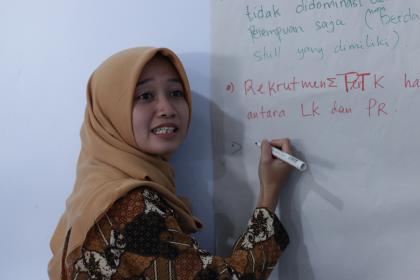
[
  {"x": 140, "y": 238},
  {"x": 256, "y": 252}
]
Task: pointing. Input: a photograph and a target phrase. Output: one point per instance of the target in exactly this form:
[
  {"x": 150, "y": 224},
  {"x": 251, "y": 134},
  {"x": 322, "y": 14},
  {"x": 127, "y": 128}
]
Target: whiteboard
[{"x": 341, "y": 80}]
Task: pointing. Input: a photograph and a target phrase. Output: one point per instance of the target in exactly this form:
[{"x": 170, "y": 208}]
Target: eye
[
  {"x": 177, "y": 93},
  {"x": 144, "y": 97}
]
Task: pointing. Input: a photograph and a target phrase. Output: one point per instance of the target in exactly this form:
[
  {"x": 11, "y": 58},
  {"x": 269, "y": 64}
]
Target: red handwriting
[
  {"x": 340, "y": 109},
  {"x": 354, "y": 80},
  {"x": 269, "y": 88},
  {"x": 263, "y": 113},
  {"x": 375, "y": 108},
  {"x": 377, "y": 81},
  {"x": 349, "y": 81},
  {"x": 411, "y": 83},
  {"x": 313, "y": 112}
]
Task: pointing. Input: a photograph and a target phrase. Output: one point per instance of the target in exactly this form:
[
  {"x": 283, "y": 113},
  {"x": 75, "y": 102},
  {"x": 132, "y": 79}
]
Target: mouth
[{"x": 164, "y": 130}]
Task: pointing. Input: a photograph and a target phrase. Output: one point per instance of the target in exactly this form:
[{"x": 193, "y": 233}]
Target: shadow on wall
[
  {"x": 193, "y": 161},
  {"x": 295, "y": 262},
  {"x": 221, "y": 196},
  {"x": 234, "y": 198},
  {"x": 199, "y": 164}
]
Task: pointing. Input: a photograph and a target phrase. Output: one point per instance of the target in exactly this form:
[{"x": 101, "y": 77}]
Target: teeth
[{"x": 163, "y": 130}]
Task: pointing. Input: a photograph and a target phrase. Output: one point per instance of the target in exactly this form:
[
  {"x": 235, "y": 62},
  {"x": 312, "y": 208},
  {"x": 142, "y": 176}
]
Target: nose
[{"x": 165, "y": 107}]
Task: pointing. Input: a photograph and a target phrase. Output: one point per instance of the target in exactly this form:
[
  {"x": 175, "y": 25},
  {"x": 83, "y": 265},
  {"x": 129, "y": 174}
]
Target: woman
[{"x": 123, "y": 219}]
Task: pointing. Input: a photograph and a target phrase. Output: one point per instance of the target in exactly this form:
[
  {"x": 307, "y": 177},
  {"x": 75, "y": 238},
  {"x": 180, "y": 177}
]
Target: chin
[
  {"x": 164, "y": 151},
  {"x": 160, "y": 148}
]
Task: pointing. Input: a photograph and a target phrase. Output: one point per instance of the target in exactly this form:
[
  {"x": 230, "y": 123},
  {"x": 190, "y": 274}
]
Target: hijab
[{"x": 110, "y": 163}]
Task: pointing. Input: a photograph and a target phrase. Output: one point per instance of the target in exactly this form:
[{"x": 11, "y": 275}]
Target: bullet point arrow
[{"x": 235, "y": 147}]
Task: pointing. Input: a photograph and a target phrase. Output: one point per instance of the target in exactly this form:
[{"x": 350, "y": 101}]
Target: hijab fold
[{"x": 110, "y": 164}]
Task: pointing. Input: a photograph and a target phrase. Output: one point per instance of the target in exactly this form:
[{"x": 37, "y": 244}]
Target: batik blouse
[{"x": 139, "y": 238}]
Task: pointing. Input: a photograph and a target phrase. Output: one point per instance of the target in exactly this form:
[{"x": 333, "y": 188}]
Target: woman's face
[{"x": 160, "y": 111}]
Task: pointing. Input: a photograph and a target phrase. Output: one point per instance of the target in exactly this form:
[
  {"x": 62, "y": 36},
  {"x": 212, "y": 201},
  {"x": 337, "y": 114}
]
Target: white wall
[{"x": 47, "y": 51}]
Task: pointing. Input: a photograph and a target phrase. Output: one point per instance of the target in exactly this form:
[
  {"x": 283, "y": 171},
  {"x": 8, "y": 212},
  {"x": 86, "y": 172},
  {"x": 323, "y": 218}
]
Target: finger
[
  {"x": 266, "y": 155},
  {"x": 284, "y": 144}
]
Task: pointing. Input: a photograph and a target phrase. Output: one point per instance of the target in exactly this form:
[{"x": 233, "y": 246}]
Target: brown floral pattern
[{"x": 139, "y": 238}]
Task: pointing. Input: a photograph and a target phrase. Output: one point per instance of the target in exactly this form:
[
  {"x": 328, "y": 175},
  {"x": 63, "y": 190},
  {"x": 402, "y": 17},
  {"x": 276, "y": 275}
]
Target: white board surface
[{"x": 341, "y": 80}]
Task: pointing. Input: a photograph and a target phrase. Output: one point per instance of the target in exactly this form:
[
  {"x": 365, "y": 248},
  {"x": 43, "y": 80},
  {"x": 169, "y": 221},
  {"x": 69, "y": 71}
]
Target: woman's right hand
[{"x": 273, "y": 172}]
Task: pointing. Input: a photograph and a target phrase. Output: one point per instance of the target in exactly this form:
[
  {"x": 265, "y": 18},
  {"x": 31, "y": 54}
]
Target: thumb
[{"x": 266, "y": 151}]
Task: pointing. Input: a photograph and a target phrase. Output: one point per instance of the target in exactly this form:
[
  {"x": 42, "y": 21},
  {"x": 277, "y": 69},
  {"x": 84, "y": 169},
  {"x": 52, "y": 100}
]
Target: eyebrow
[{"x": 144, "y": 81}]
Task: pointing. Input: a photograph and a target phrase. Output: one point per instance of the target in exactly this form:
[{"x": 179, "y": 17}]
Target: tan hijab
[{"x": 110, "y": 164}]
